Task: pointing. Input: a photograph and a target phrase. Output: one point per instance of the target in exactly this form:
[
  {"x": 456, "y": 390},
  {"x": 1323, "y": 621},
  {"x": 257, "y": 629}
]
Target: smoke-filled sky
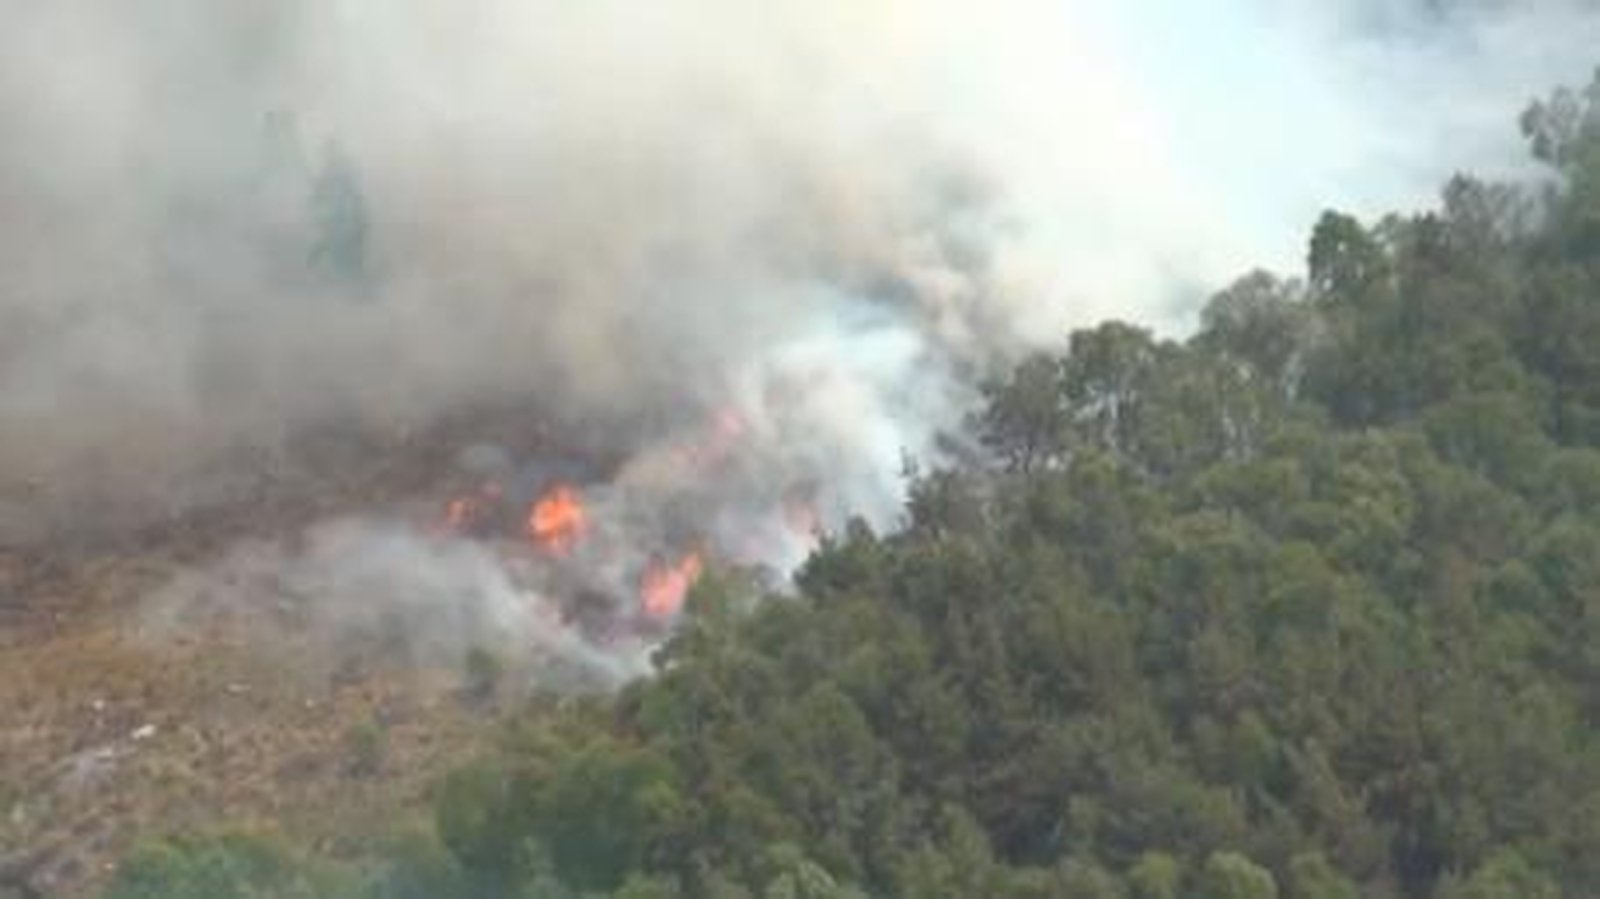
[{"x": 222, "y": 221}]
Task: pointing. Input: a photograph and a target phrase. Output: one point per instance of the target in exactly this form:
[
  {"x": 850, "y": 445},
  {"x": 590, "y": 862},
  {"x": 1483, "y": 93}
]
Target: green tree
[
  {"x": 1345, "y": 260},
  {"x": 1312, "y": 877},
  {"x": 1505, "y": 876},
  {"x": 602, "y": 812},
  {"x": 1228, "y": 875},
  {"x": 1157, "y": 875},
  {"x": 1024, "y": 419},
  {"x": 1264, "y": 324},
  {"x": 230, "y": 866}
]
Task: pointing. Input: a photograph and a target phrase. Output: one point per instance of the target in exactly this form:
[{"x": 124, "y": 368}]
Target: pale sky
[{"x": 1227, "y": 126}]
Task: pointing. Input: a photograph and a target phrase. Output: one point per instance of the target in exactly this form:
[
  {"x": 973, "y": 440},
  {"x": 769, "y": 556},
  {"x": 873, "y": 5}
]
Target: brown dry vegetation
[{"x": 109, "y": 735}]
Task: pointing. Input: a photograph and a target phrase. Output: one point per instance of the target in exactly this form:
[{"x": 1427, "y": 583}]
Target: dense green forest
[{"x": 1306, "y": 606}]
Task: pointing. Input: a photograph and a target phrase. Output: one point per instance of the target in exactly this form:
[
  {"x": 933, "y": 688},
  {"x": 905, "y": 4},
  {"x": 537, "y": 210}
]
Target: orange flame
[
  {"x": 468, "y": 511},
  {"x": 665, "y": 585},
  {"x": 558, "y": 520},
  {"x": 459, "y": 513}
]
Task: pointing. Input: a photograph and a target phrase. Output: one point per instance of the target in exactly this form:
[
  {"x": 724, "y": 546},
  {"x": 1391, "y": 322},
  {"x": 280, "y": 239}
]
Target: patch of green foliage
[
  {"x": 229, "y": 866},
  {"x": 366, "y": 744}
]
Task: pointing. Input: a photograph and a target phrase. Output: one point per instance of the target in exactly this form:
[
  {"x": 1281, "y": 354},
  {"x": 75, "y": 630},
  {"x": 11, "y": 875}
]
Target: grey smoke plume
[
  {"x": 375, "y": 591},
  {"x": 225, "y": 227},
  {"x": 224, "y": 224}
]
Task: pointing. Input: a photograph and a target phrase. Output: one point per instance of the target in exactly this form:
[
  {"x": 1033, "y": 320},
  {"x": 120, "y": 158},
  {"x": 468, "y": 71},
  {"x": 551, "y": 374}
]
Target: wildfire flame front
[
  {"x": 558, "y": 520},
  {"x": 665, "y": 585}
]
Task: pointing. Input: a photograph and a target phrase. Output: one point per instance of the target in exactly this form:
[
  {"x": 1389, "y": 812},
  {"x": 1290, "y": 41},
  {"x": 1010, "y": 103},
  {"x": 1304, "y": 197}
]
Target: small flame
[
  {"x": 467, "y": 512},
  {"x": 459, "y": 513},
  {"x": 558, "y": 520},
  {"x": 665, "y": 585}
]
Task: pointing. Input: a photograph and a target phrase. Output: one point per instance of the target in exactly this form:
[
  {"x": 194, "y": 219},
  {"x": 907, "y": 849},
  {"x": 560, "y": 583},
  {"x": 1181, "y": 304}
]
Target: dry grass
[{"x": 109, "y": 739}]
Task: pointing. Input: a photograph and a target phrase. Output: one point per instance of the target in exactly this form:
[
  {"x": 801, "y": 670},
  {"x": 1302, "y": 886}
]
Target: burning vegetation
[
  {"x": 558, "y": 520},
  {"x": 613, "y": 554},
  {"x": 557, "y": 527},
  {"x": 665, "y": 584}
]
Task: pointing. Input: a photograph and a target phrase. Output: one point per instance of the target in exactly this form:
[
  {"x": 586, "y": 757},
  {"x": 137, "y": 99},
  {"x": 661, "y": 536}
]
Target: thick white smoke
[
  {"x": 226, "y": 226},
  {"x": 223, "y": 223},
  {"x": 377, "y": 591}
]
